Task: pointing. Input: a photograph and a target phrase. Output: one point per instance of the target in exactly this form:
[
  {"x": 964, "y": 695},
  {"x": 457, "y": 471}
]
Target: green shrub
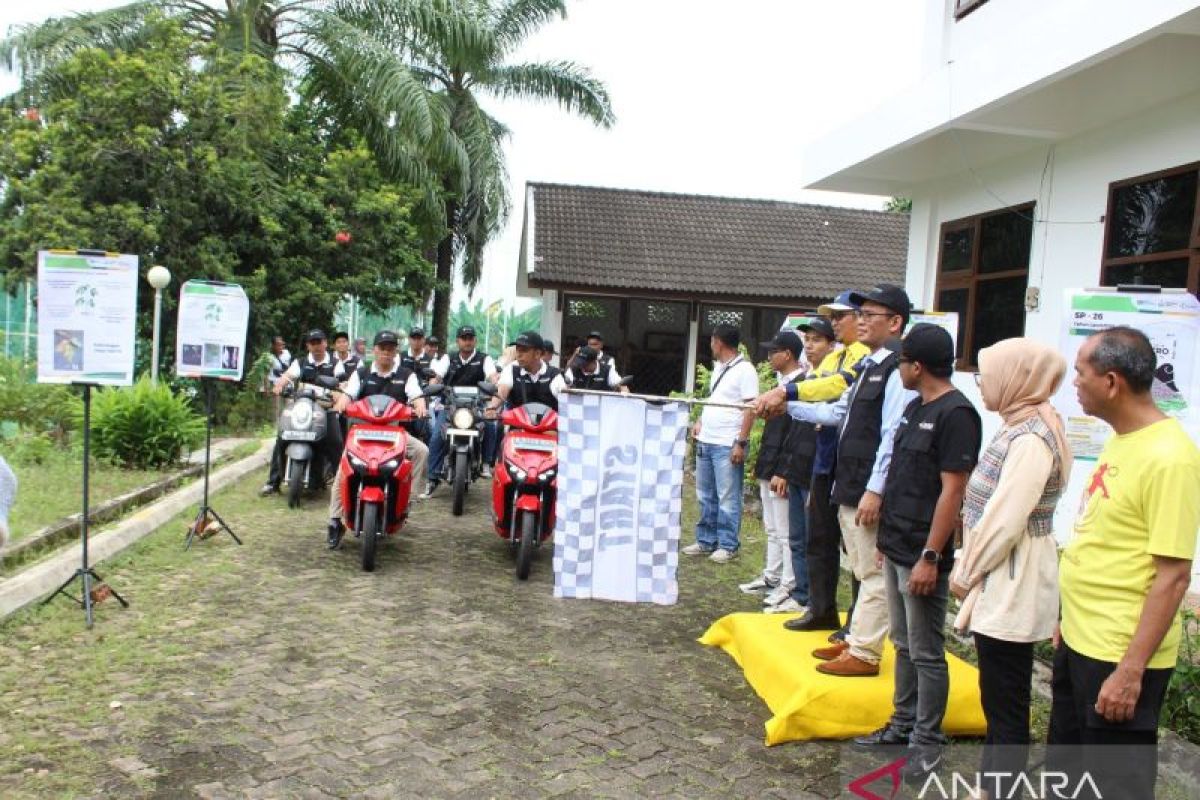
[
  {"x": 35, "y": 408},
  {"x": 1181, "y": 706},
  {"x": 144, "y": 426},
  {"x": 33, "y": 450}
]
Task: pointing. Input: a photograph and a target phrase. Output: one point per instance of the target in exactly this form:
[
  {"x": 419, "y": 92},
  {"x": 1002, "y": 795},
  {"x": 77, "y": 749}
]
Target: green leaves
[{"x": 144, "y": 426}]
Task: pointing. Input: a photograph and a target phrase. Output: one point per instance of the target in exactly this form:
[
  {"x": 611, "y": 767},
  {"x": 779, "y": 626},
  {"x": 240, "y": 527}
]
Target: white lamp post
[{"x": 158, "y": 277}]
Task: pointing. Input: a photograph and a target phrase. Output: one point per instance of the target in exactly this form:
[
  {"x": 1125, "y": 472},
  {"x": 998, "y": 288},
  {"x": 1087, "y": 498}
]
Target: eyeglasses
[
  {"x": 838, "y": 316},
  {"x": 860, "y": 314},
  {"x": 978, "y": 379}
]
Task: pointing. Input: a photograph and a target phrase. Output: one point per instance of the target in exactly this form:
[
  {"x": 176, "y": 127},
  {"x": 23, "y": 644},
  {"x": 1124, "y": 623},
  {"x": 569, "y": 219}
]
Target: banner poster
[
  {"x": 1171, "y": 320},
  {"x": 211, "y": 339},
  {"x": 620, "y": 496},
  {"x": 87, "y": 306}
]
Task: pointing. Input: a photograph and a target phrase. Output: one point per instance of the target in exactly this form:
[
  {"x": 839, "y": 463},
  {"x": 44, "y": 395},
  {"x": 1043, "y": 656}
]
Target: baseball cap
[
  {"x": 843, "y": 302},
  {"x": 529, "y": 339},
  {"x": 588, "y": 353},
  {"x": 596, "y": 335},
  {"x": 929, "y": 345},
  {"x": 885, "y": 294},
  {"x": 433, "y": 340},
  {"x": 416, "y": 333},
  {"x": 820, "y": 326},
  {"x": 548, "y": 346},
  {"x": 785, "y": 340},
  {"x": 315, "y": 335},
  {"x": 466, "y": 332},
  {"x": 386, "y": 337}
]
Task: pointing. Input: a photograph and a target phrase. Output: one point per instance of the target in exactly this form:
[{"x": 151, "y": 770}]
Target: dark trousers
[
  {"x": 330, "y": 448},
  {"x": 824, "y": 553},
  {"x": 1121, "y": 757},
  {"x": 798, "y": 540},
  {"x": 1005, "y": 680}
]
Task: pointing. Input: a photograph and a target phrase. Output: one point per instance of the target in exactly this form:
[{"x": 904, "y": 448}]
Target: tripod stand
[
  {"x": 205, "y": 512},
  {"x": 85, "y": 573}
]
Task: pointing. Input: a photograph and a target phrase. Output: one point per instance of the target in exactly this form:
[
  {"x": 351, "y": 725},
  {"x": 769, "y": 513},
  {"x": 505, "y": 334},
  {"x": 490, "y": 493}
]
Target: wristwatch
[
  {"x": 931, "y": 555},
  {"x": 742, "y": 442}
]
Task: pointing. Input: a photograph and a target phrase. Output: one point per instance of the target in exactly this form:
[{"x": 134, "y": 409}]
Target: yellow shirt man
[
  {"x": 1142, "y": 500},
  {"x": 834, "y": 375}
]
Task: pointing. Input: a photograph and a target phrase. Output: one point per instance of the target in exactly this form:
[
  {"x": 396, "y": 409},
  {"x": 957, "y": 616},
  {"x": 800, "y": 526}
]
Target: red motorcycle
[
  {"x": 377, "y": 478},
  {"x": 525, "y": 490}
]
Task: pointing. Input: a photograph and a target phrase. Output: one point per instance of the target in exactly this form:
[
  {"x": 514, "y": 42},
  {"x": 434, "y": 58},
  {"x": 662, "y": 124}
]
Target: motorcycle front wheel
[
  {"x": 529, "y": 537},
  {"x": 369, "y": 535},
  {"x": 460, "y": 483},
  {"x": 295, "y": 482}
]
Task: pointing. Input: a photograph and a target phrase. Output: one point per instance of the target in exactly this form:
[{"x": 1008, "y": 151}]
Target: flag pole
[{"x": 652, "y": 398}]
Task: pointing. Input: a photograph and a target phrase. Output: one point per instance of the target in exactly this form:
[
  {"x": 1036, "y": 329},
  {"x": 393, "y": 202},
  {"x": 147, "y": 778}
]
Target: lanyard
[{"x": 713, "y": 389}]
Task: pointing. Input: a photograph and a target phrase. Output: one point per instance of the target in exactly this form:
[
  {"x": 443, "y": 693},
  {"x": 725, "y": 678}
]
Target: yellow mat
[{"x": 806, "y": 704}]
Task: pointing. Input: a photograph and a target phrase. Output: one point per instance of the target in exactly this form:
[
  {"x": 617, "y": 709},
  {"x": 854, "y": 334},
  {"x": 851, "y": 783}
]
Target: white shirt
[
  {"x": 293, "y": 370},
  {"x": 557, "y": 384},
  {"x": 722, "y": 426},
  {"x": 442, "y": 365},
  {"x": 614, "y": 380},
  {"x": 412, "y": 387}
]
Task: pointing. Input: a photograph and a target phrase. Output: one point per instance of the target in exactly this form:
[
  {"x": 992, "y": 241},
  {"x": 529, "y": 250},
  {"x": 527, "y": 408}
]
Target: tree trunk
[{"x": 445, "y": 279}]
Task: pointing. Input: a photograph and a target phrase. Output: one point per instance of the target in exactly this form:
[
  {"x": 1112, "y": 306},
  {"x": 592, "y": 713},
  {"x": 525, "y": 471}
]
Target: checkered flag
[{"x": 620, "y": 497}]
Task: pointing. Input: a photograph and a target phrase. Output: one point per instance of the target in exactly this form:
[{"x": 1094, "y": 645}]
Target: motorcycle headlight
[
  {"x": 356, "y": 462},
  {"x": 302, "y": 415},
  {"x": 463, "y": 418},
  {"x": 546, "y": 476},
  {"x": 390, "y": 465},
  {"x": 515, "y": 472}
]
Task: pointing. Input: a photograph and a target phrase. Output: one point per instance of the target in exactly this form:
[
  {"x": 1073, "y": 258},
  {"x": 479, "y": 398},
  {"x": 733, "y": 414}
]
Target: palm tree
[{"x": 408, "y": 74}]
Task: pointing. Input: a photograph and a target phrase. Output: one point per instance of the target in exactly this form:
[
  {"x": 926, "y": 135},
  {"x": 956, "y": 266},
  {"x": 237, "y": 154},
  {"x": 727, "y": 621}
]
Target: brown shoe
[
  {"x": 847, "y": 666},
  {"x": 830, "y": 653}
]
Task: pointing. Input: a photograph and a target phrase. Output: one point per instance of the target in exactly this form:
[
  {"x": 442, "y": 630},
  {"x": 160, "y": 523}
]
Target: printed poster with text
[
  {"x": 211, "y": 338},
  {"x": 87, "y": 306},
  {"x": 1171, "y": 320}
]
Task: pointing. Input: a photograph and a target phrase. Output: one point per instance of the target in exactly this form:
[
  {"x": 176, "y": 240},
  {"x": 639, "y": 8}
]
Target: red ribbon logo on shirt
[{"x": 1098, "y": 481}]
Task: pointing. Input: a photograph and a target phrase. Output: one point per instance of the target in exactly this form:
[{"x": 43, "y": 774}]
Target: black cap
[
  {"x": 785, "y": 340},
  {"x": 596, "y": 335},
  {"x": 820, "y": 326},
  {"x": 589, "y": 353},
  {"x": 548, "y": 346},
  {"x": 529, "y": 339},
  {"x": 341, "y": 335},
  {"x": 386, "y": 337},
  {"x": 885, "y": 294},
  {"x": 466, "y": 332},
  {"x": 316, "y": 334},
  {"x": 416, "y": 333},
  {"x": 433, "y": 340},
  {"x": 928, "y": 345}
]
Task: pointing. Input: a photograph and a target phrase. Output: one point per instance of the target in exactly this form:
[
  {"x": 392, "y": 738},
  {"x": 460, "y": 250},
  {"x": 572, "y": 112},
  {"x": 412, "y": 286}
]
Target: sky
[{"x": 710, "y": 97}]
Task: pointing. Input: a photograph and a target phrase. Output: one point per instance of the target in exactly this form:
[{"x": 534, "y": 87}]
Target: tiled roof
[{"x": 623, "y": 239}]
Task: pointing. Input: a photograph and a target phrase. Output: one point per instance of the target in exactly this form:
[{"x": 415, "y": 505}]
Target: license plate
[
  {"x": 543, "y": 445},
  {"x": 462, "y": 432},
  {"x": 377, "y": 436},
  {"x": 299, "y": 436}
]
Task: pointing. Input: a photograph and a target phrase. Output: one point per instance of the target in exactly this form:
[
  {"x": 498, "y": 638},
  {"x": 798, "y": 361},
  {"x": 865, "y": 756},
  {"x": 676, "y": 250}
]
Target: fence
[{"x": 18, "y": 319}]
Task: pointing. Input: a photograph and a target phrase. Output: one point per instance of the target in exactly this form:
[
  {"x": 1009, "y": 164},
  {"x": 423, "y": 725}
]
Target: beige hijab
[{"x": 1019, "y": 378}]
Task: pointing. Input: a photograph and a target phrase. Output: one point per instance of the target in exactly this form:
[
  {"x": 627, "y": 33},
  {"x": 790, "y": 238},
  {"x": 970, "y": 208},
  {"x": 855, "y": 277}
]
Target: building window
[
  {"x": 964, "y": 7},
  {"x": 983, "y": 270},
  {"x": 1152, "y": 231}
]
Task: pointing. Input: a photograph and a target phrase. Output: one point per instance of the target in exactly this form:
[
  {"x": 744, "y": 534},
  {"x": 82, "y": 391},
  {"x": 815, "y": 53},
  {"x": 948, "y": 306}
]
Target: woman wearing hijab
[{"x": 1007, "y": 575}]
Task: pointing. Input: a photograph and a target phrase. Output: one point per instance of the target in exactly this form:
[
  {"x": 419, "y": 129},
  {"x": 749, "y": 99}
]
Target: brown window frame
[
  {"x": 964, "y": 7},
  {"x": 972, "y": 278},
  {"x": 1191, "y": 252}
]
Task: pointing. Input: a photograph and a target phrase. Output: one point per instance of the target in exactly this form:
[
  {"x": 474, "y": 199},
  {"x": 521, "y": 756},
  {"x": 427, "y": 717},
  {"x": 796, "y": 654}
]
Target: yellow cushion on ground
[{"x": 805, "y": 704}]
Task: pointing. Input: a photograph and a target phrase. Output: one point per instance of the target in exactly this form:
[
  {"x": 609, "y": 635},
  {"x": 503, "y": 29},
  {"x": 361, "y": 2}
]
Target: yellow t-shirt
[{"x": 1142, "y": 500}]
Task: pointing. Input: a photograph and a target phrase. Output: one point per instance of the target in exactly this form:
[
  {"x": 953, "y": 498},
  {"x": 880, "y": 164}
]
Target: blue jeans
[
  {"x": 719, "y": 490},
  {"x": 491, "y": 441},
  {"x": 437, "y": 444},
  {"x": 798, "y": 539}
]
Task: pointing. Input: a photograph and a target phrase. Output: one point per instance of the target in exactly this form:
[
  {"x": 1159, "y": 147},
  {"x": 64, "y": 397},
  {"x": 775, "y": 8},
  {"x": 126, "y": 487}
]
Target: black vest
[
  {"x": 528, "y": 389},
  {"x": 773, "y": 451},
  {"x": 417, "y": 365},
  {"x": 310, "y": 371},
  {"x": 350, "y": 364},
  {"x": 371, "y": 382},
  {"x": 466, "y": 373},
  {"x": 915, "y": 482},
  {"x": 861, "y": 433},
  {"x": 597, "y": 381}
]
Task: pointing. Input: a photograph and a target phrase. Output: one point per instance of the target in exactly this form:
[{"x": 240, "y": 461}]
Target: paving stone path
[{"x": 279, "y": 669}]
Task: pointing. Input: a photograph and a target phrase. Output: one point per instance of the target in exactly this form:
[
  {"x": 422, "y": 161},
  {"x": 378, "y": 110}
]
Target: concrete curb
[{"x": 44, "y": 577}]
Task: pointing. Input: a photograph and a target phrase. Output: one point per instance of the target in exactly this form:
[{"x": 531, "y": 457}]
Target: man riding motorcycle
[
  {"x": 586, "y": 372},
  {"x": 318, "y": 363},
  {"x": 384, "y": 376},
  {"x": 530, "y": 380},
  {"x": 467, "y": 367}
]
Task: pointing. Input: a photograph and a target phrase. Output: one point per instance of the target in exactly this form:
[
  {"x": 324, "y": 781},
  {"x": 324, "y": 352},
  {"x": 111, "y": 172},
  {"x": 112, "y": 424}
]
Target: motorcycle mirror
[
  {"x": 488, "y": 388},
  {"x": 628, "y": 379},
  {"x": 433, "y": 389}
]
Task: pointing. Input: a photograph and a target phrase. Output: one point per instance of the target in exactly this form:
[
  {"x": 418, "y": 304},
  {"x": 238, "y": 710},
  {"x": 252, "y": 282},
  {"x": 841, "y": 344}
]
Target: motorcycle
[
  {"x": 302, "y": 425},
  {"x": 464, "y": 441},
  {"x": 377, "y": 478},
  {"x": 525, "y": 484}
]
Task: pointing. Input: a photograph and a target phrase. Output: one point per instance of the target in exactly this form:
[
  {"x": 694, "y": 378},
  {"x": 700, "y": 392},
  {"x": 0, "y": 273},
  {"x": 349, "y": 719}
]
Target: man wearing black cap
[
  {"x": 867, "y": 414},
  {"x": 530, "y": 380},
  {"x": 548, "y": 354},
  {"x": 586, "y": 372},
  {"x": 414, "y": 359},
  {"x": 595, "y": 340},
  {"x": 936, "y": 446},
  {"x": 318, "y": 363},
  {"x": 467, "y": 367},
  {"x": 385, "y": 376}
]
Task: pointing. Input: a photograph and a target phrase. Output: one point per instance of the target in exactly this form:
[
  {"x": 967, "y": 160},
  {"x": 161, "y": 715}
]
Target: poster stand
[
  {"x": 206, "y": 515},
  {"x": 94, "y": 587}
]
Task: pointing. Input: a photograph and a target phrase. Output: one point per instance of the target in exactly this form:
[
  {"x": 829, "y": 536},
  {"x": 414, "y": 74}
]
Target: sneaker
[
  {"x": 756, "y": 586},
  {"x": 429, "y": 490},
  {"x": 722, "y": 556},
  {"x": 884, "y": 737},
  {"x": 696, "y": 549},
  {"x": 923, "y": 759},
  {"x": 268, "y": 489},
  {"x": 788, "y": 606},
  {"x": 485, "y": 471},
  {"x": 777, "y": 595},
  {"x": 334, "y": 534}
]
